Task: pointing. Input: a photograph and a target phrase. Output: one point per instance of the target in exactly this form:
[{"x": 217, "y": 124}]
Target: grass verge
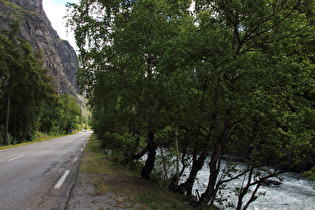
[
  {"x": 110, "y": 177},
  {"x": 40, "y": 137}
]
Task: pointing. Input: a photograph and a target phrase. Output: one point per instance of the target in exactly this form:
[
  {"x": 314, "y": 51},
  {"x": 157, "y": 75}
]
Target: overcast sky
[{"x": 56, "y": 10}]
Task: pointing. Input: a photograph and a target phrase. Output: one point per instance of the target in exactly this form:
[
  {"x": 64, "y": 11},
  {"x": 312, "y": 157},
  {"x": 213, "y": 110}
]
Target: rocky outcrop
[{"x": 59, "y": 56}]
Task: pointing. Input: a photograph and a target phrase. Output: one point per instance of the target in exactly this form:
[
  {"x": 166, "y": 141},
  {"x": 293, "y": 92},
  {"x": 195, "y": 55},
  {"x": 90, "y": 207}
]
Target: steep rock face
[{"x": 59, "y": 56}]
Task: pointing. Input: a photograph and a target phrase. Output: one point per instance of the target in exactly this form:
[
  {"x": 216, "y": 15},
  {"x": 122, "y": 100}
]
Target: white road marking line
[
  {"x": 81, "y": 149},
  {"x": 51, "y": 145},
  {"x": 16, "y": 158},
  {"x": 75, "y": 159},
  {"x": 62, "y": 179}
]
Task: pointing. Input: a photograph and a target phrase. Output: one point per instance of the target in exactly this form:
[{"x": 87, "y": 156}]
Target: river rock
[{"x": 268, "y": 182}]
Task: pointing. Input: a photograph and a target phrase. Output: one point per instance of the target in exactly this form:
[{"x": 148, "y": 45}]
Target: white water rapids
[{"x": 295, "y": 193}]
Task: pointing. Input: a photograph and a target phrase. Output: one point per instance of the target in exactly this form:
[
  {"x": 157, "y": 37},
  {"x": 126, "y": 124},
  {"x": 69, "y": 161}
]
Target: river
[{"x": 295, "y": 192}]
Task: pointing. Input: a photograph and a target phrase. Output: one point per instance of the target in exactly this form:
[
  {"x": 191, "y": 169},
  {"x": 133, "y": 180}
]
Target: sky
[{"x": 56, "y": 10}]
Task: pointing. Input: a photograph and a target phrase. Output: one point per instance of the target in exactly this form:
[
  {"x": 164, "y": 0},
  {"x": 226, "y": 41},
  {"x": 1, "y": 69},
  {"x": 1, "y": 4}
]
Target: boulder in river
[{"x": 268, "y": 182}]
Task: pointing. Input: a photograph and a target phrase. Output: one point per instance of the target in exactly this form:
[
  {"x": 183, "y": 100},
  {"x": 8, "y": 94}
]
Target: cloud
[{"x": 55, "y": 11}]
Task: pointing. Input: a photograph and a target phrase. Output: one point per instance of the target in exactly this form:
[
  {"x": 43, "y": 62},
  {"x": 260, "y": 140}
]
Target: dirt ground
[{"x": 83, "y": 197}]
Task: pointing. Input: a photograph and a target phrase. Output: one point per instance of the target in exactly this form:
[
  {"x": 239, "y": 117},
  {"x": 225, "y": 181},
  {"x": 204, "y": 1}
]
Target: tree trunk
[
  {"x": 149, "y": 164},
  {"x": 164, "y": 164},
  {"x": 177, "y": 153},
  {"x": 214, "y": 164},
  {"x": 243, "y": 191},
  {"x": 140, "y": 154},
  {"x": 209, "y": 194},
  {"x": 7, "y": 115},
  {"x": 253, "y": 197},
  {"x": 152, "y": 146},
  {"x": 24, "y": 135},
  {"x": 196, "y": 166},
  {"x": 173, "y": 185}
]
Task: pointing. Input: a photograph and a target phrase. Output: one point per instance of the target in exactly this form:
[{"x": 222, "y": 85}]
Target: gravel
[{"x": 84, "y": 197}]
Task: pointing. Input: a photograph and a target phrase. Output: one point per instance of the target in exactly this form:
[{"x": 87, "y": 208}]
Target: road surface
[{"x": 40, "y": 175}]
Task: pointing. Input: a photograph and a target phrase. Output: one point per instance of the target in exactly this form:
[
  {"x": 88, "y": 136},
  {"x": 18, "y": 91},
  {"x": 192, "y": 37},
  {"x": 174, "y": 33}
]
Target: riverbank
[{"x": 104, "y": 184}]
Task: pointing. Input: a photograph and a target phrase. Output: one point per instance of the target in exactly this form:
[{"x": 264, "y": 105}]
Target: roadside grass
[
  {"x": 127, "y": 186},
  {"x": 39, "y": 138}
]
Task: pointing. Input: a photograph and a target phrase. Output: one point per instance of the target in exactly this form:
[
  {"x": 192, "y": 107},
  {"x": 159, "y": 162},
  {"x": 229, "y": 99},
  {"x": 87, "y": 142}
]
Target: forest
[
  {"x": 29, "y": 102},
  {"x": 198, "y": 80}
]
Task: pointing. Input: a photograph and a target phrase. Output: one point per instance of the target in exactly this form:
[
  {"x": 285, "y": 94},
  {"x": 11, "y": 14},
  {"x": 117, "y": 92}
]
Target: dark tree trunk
[
  {"x": 140, "y": 154},
  {"x": 24, "y": 136},
  {"x": 173, "y": 185},
  {"x": 149, "y": 164},
  {"x": 244, "y": 191},
  {"x": 196, "y": 166},
  {"x": 214, "y": 164},
  {"x": 209, "y": 194},
  {"x": 7, "y": 115}
]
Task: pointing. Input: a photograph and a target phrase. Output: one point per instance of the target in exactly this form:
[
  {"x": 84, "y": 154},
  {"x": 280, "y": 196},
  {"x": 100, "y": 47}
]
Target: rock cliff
[{"x": 59, "y": 56}]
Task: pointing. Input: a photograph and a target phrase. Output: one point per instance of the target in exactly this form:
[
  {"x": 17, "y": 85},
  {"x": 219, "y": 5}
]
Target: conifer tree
[{"x": 25, "y": 84}]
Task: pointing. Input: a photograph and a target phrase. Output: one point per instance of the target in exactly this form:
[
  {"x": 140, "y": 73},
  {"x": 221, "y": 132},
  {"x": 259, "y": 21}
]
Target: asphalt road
[{"x": 40, "y": 175}]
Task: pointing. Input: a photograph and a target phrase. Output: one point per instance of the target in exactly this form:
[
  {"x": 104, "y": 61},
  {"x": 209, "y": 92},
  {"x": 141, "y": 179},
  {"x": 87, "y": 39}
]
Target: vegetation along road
[{"x": 41, "y": 175}]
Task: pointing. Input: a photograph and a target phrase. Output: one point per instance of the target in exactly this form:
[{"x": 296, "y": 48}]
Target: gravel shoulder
[{"x": 83, "y": 196}]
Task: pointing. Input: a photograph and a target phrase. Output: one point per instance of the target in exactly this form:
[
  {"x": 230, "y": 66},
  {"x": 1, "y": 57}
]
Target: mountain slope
[{"x": 59, "y": 56}]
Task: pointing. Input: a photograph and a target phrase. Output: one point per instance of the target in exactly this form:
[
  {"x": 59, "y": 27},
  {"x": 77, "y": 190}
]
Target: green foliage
[
  {"x": 231, "y": 75},
  {"x": 310, "y": 173},
  {"x": 125, "y": 143},
  {"x": 27, "y": 92},
  {"x": 62, "y": 116},
  {"x": 10, "y": 138},
  {"x": 25, "y": 84}
]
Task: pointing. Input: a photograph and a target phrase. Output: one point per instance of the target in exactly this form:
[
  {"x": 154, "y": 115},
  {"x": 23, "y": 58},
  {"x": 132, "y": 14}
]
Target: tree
[
  {"x": 125, "y": 61},
  {"x": 62, "y": 115},
  {"x": 229, "y": 73},
  {"x": 10, "y": 63},
  {"x": 72, "y": 113},
  {"x": 254, "y": 82},
  {"x": 25, "y": 84}
]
